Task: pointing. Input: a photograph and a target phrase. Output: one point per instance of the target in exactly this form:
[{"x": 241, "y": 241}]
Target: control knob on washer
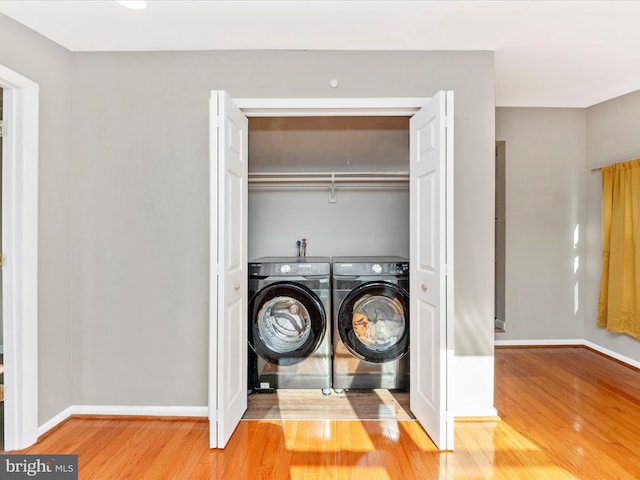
[
  {"x": 376, "y": 268},
  {"x": 284, "y": 269}
]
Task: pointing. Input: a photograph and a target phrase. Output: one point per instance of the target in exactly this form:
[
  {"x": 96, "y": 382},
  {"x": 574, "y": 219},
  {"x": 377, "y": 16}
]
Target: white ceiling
[{"x": 547, "y": 53}]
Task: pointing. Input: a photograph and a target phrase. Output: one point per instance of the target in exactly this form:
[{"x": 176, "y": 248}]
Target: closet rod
[{"x": 287, "y": 177}]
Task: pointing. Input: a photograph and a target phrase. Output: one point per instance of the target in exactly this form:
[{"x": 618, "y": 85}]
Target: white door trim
[
  {"x": 20, "y": 245},
  {"x": 296, "y": 107},
  {"x": 328, "y": 107}
]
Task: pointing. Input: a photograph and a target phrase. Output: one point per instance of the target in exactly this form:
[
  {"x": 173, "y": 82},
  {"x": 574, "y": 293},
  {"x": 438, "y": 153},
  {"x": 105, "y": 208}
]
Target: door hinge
[
  {"x": 447, "y": 121},
  {"x": 3, "y": 128},
  {"x": 1, "y": 261}
]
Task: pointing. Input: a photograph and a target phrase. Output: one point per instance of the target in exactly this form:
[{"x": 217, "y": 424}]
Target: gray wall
[
  {"x": 370, "y": 221},
  {"x": 50, "y": 66},
  {"x": 612, "y": 137},
  {"x": 550, "y": 190},
  {"x": 140, "y": 190},
  {"x": 124, "y": 202},
  {"x": 545, "y": 176}
]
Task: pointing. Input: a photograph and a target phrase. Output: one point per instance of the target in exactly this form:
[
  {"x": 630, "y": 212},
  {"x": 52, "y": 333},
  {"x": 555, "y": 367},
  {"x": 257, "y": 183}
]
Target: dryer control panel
[
  {"x": 395, "y": 266},
  {"x": 289, "y": 266}
]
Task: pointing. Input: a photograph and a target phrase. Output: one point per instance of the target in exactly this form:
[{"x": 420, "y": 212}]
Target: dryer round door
[
  {"x": 373, "y": 322},
  {"x": 287, "y": 322}
]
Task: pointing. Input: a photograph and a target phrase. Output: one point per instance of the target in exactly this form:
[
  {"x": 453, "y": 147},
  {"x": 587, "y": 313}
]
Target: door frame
[
  {"x": 307, "y": 107},
  {"x": 20, "y": 246},
  {"x": 330, "y": 107}
]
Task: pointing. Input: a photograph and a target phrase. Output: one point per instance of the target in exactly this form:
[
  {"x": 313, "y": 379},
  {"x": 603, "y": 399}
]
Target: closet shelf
[
  {"x": 330, "y": 178},
  {"x": 330, "y": 181}
]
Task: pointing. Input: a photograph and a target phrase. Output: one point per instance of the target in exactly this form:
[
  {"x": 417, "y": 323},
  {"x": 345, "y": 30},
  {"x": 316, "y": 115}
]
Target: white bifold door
[
  {"x": 431, "y": 269},
  {"x": 228, "y": 265},
  {"x": 431, "y": 266}
]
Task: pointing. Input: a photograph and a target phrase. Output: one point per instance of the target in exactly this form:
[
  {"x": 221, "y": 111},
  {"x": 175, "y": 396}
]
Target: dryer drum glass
[
  {"x": 283, "y": 324},
  {"x": 378, "y": 321}
]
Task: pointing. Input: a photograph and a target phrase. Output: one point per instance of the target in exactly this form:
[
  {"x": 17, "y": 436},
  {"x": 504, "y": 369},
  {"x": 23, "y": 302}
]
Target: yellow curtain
[{"x": 620, "y": 282}]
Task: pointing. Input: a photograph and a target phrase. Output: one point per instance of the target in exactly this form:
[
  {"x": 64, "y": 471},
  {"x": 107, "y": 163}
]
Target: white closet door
[
  {"x": 228, "y": 257},
  {"x": 431, "y": 252}
]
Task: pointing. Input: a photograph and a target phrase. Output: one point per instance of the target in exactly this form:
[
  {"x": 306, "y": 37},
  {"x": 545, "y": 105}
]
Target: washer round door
[
  {"x": 373, "y": 322},
  {"x": 287, "y": 322}
]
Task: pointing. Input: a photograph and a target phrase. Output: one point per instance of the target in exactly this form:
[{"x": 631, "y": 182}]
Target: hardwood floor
[
  {"x": 565, "y": 413},
  {"x": 313, "y": 405}
]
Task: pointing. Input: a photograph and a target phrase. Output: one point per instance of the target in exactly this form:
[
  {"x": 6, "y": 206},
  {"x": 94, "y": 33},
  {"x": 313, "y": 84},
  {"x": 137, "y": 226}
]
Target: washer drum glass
[
  {"x": 284, "y": 324},
  {"x": 373, "y": 322},
  {"x": 287, "y": 322},
  {"x": 378, "y": 321}
]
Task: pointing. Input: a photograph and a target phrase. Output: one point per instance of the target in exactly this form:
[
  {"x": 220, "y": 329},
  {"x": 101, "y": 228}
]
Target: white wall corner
[{"x": 473, "y": 387}]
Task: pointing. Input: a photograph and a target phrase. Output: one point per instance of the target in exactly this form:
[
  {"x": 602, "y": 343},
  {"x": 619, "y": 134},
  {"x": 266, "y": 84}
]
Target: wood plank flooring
[
  {"x": 565, "y": 413},
  {"x": 378, "y": 404}
]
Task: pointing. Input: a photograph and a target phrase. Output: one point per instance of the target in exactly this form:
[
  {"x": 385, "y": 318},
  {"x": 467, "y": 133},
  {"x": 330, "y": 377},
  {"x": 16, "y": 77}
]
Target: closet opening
[
  {"x": 430, "y": 232},
  {"x": 341, "y": 184}
]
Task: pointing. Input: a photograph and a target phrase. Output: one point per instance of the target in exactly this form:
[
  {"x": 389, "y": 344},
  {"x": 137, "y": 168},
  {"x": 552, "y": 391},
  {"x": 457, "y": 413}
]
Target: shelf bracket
[{"x": 332, "y": 189}]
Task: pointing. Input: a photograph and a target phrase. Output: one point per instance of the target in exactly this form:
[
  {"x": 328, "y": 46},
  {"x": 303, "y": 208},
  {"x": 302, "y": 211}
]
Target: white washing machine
[
  {"x": 370, "y": 323},
  {"x": 290, "y": 323}
]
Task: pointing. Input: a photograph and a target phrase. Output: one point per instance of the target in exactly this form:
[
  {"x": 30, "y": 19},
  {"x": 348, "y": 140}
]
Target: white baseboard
[
  {"x": 539, "y": 343},
  {"x": 557, "y": 342},
  {"x": 477, "y": 413},
  {"x": 612, "y": 354},
  {"x": 141, "y": 411},
  {"x": 123, "y": 410},
  {"x": 57, "y": 420}
]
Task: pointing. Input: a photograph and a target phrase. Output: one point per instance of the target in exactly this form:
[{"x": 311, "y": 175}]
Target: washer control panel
[
  {"x": 285, "y": 269},
  {"x": 289, "y": 266}
]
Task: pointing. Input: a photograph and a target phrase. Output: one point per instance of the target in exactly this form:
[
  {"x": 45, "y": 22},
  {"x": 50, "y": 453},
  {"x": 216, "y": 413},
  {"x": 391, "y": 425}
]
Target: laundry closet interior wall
[{"x": 365, "y": 216}]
